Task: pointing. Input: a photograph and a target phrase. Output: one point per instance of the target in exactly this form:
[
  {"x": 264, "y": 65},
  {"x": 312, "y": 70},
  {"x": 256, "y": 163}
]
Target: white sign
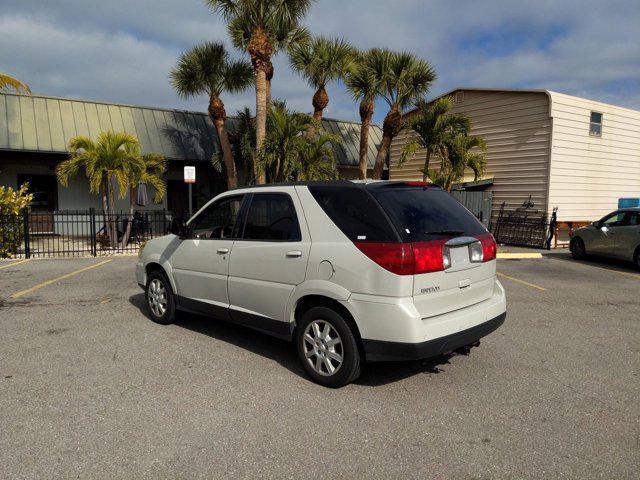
[{"x": 189, "y": 174}]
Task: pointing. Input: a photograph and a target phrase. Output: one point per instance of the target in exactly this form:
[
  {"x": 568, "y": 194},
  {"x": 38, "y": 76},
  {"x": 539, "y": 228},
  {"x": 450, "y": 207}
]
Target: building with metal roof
[{"x": 35, "y": 131}]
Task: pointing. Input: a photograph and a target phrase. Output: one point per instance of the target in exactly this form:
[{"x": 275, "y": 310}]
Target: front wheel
[
  {"x": 160, "y": 301},
  {"x": 577, "y": 249},
  {"x": 327, "y": 347}
]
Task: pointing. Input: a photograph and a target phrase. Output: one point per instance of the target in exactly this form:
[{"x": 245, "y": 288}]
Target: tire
[
  {"x": 159, "y": 298},
  {"x": 636, "y": 259},
  {"x": 318, "y": 356},
  {"x": 577, "y": 249}
]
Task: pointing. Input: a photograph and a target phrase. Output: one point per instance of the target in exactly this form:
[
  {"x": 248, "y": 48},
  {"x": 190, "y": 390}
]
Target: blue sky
[{"x": 122, "y": 50}]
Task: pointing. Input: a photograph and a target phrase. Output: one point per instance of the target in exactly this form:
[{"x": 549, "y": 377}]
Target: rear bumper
[{"x": 377, "y": 350}]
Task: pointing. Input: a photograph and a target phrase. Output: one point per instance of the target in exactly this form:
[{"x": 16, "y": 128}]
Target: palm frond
[{"x": 9, "y": 83}]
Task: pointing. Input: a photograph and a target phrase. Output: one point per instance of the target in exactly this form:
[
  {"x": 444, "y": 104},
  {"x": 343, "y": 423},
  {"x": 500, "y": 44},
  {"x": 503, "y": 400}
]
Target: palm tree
[
  {"x": 461, "y": 152},
  {"x": 207, "y": 69},
  {"x": 9, "y": 83},
  {"x": 286, "y": 136},
  {"x": 364, "y": 86},
  {"x": 150, "y": 172},
  {"x": 108, "y": 161},
  {"x": 404, "y": 79},
  {"x": 262, "y": 27},
  {"x": 242, "y": 133},
  {"x": 433, "y": 125},
  {"x": 320, "y": 61},
  {"x": 317, "y": 158}
]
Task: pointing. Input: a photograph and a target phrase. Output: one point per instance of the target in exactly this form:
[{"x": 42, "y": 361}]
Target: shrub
[{"x": 12, "y": 203}]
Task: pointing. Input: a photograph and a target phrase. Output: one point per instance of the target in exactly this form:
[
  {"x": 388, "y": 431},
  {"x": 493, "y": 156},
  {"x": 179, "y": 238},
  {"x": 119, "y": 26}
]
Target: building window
[
  {"x": 459, "y": 97},
  {"x": 595, "y": 124}
]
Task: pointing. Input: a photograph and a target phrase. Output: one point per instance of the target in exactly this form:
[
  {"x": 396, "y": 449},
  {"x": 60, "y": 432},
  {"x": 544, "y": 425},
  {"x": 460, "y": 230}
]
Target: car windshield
[{"x": 422, "y": 214}]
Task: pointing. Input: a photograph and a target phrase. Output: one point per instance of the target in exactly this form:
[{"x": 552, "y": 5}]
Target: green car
[{"x": 617, "y": 235}]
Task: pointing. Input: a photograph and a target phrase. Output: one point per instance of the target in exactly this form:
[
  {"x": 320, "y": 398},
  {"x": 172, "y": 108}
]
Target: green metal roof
[{"x": 37, "y": 123}]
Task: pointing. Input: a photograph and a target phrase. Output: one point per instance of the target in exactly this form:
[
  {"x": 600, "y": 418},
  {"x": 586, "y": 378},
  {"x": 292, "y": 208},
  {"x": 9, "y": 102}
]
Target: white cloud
[{"x": 123, "y": 50}]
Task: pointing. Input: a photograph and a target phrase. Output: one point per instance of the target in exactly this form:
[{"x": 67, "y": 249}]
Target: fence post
[
  {"x": 92, "y": 221},
  {"x": 25, "y": 225}
]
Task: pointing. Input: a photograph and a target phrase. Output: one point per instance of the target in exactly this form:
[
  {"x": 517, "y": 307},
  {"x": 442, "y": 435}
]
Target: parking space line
[
  {"x": 517, "y": 280},
  {"x": 57, "y": 279},
  {"x": 15, "y": 263}
]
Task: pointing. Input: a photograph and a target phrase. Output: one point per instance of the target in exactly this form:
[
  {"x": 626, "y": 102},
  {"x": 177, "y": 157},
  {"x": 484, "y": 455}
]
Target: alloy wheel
[
  {"x": 323, "y": 347},
  {"x": 157, "y": 297}
]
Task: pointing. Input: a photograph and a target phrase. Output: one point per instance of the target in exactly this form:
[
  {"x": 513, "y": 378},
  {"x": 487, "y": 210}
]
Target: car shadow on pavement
[
  {"x": 595, "y": 261},
  {"x": 283, "y": 352}
]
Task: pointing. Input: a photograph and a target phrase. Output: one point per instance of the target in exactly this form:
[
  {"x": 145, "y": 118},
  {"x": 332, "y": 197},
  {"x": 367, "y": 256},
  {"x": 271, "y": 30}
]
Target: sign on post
[{"x": 189, "y": 174}]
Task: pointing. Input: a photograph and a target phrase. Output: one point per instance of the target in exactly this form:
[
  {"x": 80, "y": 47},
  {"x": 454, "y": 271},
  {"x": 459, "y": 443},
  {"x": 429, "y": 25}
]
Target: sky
[{"x": 123, "y": 50}]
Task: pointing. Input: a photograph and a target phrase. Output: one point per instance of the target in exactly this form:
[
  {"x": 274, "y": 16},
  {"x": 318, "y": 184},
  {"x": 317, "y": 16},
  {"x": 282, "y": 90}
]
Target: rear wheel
[
  {"x": 159, "y": 296},
  {"x": 327, "y": 347},
  {"x": 577, "y": 249}
]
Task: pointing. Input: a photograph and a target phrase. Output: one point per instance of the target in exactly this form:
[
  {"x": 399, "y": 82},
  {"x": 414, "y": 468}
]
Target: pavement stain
[{"x": 56, "y": 331}]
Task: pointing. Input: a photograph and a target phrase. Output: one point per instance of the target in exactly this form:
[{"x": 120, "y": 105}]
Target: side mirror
[
  {"x": 178, "y": 227},
  {"x": 596, "y": 224}
]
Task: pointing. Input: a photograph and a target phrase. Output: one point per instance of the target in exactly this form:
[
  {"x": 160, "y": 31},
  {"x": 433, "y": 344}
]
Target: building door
[{"x": 45, "y": 201}]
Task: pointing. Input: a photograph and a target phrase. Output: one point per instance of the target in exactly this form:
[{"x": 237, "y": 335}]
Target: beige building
[{"x": 567, "y": 152}]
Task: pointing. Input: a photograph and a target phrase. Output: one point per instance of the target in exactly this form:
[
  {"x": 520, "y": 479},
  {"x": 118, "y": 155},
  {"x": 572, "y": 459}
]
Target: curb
[{"x": 518, "y": 256}]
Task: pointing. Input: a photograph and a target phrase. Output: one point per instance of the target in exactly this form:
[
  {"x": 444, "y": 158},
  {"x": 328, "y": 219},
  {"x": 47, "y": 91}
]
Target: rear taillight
[
  {"x": 489, "y": 246},
  {"x": 405, "y": 258},
  {"x": 395, "y": 257},
  {"x": 428, "y": 256}
]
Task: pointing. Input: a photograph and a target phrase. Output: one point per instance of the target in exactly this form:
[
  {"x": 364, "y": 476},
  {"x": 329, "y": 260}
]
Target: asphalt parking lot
[{"x": 90, "y": 388}]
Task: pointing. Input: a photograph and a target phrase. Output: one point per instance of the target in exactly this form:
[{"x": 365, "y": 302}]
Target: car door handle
[
  {"x": 223, "y": 250},
  {"x": 294, "y": 254}
]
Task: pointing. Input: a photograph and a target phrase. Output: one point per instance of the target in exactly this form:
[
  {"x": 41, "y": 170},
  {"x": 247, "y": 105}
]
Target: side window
[
  {"x": 218, "y": 220},
  {"x": 355, "y": 212},
  {"x": 634, "y": 219},
  {"x": 272, "y": 217},
  {"x": 613, "y": 220}
]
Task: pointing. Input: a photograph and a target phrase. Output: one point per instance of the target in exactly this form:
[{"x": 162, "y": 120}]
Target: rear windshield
[
  {"x": 421, "y": 214},
  {"x": 355, "y": 212}
]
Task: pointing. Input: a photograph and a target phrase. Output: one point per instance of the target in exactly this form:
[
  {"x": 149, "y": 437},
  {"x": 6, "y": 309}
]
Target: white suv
[{"x": 349, "y": 271}]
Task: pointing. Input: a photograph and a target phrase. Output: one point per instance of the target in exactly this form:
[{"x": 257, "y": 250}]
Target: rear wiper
[{"x": 444, "y": 232}]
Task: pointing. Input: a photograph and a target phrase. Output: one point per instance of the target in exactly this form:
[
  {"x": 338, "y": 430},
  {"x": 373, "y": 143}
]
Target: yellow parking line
[
  {"x": 57, "y": 279},
  {"x": 538, "y": 287},
  {"x": 15, "y": 263}
]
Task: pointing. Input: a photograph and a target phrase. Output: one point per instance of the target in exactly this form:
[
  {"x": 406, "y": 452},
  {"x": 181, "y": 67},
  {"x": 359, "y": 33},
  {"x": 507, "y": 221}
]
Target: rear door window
[
  {"x": 355, "y": 212},
  {"x": 426, "y": 213},
  {"x": 272, "y": 217}
]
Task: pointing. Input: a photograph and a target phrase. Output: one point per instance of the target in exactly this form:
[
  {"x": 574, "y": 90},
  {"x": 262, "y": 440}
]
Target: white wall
[{"x": 588, "y": 173}]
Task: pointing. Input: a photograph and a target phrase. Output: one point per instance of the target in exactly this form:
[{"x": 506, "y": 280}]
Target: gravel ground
[{"x": 90, "y": 388}]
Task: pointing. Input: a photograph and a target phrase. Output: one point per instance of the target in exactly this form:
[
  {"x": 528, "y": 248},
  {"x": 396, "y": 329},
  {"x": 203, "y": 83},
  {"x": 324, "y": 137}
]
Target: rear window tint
[
  {"x": 421, "y": 214},
  {"x": 355, "y": 212}
]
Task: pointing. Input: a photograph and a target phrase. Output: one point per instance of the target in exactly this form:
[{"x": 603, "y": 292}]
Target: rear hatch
[{"x": 453, "y": 252}]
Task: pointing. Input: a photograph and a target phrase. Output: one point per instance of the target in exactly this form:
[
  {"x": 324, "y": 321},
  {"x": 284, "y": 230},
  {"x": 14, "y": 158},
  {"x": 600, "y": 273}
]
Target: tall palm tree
[
  {"x": 286, "y": 136},
  {"x": 461, "y": 152},
  {"x": 363, "y": 86},
  {"x": 320, "y": 61},
  {"x": 433, "y": 125},
  {"x": 149, "y": 171},
  {"x": 317, "y": 158},
  {"x": 404, "y": 79},
  {"x": 242, "y": 133},
  {"x": 207, "y": 69},
  {"x": 8, "y": 83},
  {"x": 261, "y": 27},
  {"x": 107, "y": 162}
]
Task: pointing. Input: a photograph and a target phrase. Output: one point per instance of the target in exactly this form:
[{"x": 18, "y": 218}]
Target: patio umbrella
[{"x": 142, "y": 199}]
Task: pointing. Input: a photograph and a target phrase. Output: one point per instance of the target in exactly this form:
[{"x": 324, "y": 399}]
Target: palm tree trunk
[
  {"x": 320, "y": 102},
  {"x": 113, "y": 225},
  {"x": 227, "y": 155},
  {"x": 269, "y": 75},
  {"x": 390, "y": 127},
  {"x": 218, "y": 116},
  {"x": 261, "y": 117},
  {"x": 127, "y": 233},
  {"x": 425, "y": 172},
  {"x": 366, "y": 113},
  {"x": 105, "y": 209}
]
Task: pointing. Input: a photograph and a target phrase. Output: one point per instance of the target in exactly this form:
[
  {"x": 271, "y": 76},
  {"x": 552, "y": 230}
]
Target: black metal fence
[
  {"x": 79, "y": 232},
  {"x": 524, "y": 226}
]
